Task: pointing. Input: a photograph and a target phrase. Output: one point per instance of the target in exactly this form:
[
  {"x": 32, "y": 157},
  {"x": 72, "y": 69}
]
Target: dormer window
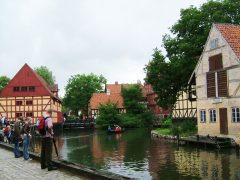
[
  {"x": 214, "y": 43},
  {"x": 16, "y": 89},
  {"x": 31, "y": 88},
  {"x": 24, "y": 88}
]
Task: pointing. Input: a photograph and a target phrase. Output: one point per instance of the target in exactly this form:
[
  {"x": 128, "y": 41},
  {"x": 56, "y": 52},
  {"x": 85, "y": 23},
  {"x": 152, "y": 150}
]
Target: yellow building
[{"x": 218, "y": 83}]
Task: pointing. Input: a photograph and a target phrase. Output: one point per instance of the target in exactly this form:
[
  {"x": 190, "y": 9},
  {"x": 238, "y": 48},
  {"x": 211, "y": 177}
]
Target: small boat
[{"x": 115, "y": 129}]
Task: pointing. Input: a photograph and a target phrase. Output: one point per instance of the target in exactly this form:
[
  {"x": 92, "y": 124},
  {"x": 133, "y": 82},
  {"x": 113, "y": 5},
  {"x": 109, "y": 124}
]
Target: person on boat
[{"x": 117, "y": 128}]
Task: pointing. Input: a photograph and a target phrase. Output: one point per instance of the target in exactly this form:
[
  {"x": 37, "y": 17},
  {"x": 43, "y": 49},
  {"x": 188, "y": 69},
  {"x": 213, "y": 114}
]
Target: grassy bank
[{"x": 184, "y": 129}]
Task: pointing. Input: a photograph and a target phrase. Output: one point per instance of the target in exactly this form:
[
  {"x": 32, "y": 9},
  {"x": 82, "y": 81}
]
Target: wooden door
[{"x": 223, "y": 121}]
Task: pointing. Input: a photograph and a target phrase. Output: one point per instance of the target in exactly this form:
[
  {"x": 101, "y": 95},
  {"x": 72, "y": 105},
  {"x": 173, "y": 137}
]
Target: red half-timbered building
[
  {"x": 152, "y": 104},
  {"x": 28, "y": 95}
]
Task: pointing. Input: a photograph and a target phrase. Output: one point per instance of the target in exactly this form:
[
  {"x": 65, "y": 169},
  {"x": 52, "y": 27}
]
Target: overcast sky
[{"x": 114, "y": 38}]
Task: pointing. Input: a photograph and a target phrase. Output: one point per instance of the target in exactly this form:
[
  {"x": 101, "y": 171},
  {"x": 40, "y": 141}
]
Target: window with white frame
[
  {"x": 203, "y": 116},
  {"x": 212, "y": 113},
  {"x": 236, "y": 114},
  {"x": 214, "y": 43}
]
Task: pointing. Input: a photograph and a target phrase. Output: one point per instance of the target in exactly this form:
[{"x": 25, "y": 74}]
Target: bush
[
  {"x": 130, "y": 121},
  {"x": 147, "y": 118},
  {"x": 167, "y": 121},
  {"x": 185, "y": 128},
  {"x": 108, "y": 115}
]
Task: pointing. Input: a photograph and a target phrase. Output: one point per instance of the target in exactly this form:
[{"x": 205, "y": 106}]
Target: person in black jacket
[
  {"x": 47, "y": 140},
  {"x": 17, "y": 137},
  {"x": 26, "y": 138}
]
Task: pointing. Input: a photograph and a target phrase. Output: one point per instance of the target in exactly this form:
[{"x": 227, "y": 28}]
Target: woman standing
[{"x": 26, "y": 138}]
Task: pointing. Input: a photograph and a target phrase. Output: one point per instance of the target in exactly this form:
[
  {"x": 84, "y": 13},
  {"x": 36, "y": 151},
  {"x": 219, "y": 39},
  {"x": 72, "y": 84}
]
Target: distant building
[
  {"x": 112, "y": 94},
  {"x": 152, "y": 104},
  {"x": 28, "y": 95},
  {"x": 218, "y": 83},
  {"x": 185, "y": 106}
]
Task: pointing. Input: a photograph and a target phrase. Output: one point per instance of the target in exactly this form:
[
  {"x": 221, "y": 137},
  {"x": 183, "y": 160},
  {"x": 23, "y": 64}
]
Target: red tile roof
[
  {"x": 231, "y": 33},
  {"x": 103, "y": 98},
  {"x": 26, "y": 76},
  {"x": 114, "y": 96},
  {"x": 114, "y": 88}
]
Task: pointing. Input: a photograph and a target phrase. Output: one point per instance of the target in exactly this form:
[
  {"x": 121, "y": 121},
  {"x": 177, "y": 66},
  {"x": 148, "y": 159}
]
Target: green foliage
[
  {"x": 79, "y": 90},
  {"x": 167, "y": 121},
  {"x": 108, "y": 115},
  {"x": 160, "y": 74},
  {"x": 132, "y": 96},
  {"x": 164, "y": 131},
  {"x": 186, "y": 128},
  {"x": 137, "y": 113},
  {"x": 146, "y": 118},
  {"x": 131, "y": 121},
  {"x": 3, "y": 82},
  {"x": 46, "y": 74},
  {"x": 168, "y": 75},
  {"x": 176, "y": 130}
]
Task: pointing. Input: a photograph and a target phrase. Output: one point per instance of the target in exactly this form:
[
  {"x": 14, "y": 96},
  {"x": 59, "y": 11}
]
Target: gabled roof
[
  {"x": 26, "y": 76},
  {"x": 231, "y": 34},
  {"x": 103, "y": 98},
  {"x": 114, "y": 96}
]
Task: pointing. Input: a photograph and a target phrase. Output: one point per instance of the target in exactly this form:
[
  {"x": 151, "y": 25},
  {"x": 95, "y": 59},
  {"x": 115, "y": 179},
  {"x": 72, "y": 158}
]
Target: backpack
[{"x": 41, "y": 126}]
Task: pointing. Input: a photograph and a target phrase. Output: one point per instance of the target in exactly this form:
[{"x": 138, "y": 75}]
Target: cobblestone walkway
[{"x": 17, "y": 168}]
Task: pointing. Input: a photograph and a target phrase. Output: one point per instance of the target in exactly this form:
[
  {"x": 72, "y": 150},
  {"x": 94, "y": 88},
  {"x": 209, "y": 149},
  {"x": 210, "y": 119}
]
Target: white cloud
[{"x": 111, "y": 37}]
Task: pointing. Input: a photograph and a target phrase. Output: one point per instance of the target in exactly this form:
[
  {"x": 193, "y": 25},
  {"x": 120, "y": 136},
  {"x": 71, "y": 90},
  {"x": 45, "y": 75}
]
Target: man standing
[
  {"x": 17, "y": 137},
  {"x": 26, "y": 138},
  {"x": 46, "y": 150}
]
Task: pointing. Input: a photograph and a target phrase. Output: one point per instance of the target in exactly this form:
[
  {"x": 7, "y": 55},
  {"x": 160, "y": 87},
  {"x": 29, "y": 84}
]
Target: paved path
[{"x": 17, "y": 168}]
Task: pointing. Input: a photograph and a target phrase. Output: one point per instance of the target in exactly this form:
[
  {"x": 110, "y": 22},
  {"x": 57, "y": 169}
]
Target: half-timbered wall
[
  {"x": 34, "y": 107},
  {"x": 184, "y": 108},
  {"x": 218, "y": 88},
  {"x": 95, "y": 112}
]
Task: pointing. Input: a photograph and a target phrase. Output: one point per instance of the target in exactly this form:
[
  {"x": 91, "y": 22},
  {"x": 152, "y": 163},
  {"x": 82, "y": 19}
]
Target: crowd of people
[
  {"x": 16, "y": 132},
  {"x": 20, "y": 132}
]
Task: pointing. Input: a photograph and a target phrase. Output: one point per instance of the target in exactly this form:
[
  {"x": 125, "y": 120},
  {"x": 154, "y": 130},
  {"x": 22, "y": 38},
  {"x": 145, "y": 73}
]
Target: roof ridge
[{"x": 227, "y": 24}]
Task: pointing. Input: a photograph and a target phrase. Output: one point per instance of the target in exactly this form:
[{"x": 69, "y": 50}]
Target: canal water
[{"x": 136, "y": 154}]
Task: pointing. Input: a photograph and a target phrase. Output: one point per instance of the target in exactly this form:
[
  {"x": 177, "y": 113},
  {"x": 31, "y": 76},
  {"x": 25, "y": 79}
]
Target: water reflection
[{"x": 134, "y": 153}]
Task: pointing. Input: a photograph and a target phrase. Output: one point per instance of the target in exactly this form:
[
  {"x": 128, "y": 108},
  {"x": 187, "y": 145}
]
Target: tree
[
  {"x": 108, "y": 115},
  {"x": 185, "y": 46},
  {"x": 3, "y": 82},
  {"x": 137, "y": 113},
  {"x": 132, "y": 97},
  {"x": 46, "y": 74},
  {"x": 79, "y": 90},
  {"x": 159, "y": 75}
]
